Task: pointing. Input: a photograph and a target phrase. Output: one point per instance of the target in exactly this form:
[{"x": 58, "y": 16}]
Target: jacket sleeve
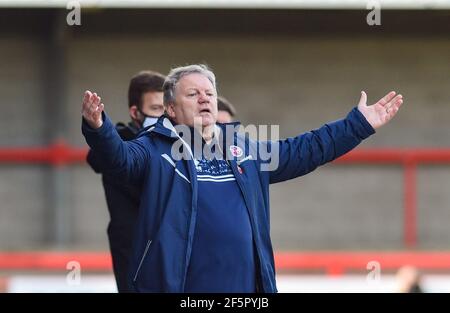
[
  {"x": 300, "y": 155},
  {"x": 93, "y": 161},
  {"x": 113, "y": 156}
]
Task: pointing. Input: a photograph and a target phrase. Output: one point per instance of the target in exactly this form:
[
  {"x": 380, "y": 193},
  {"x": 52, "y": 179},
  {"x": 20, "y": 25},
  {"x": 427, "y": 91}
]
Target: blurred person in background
[
  {"x": 226, "y": 111},
  {"x": 145, "y": 106},
  {"x": 409, "y": 280},
  {"x": 203, "y": 222}
]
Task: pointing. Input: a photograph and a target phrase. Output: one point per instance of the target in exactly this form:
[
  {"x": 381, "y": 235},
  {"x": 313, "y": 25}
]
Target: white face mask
[{"x": 149, "y": 120}]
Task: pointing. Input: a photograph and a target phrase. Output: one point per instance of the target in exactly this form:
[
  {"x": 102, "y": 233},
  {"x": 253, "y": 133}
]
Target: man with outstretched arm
[{"x": 203, "y": 222}]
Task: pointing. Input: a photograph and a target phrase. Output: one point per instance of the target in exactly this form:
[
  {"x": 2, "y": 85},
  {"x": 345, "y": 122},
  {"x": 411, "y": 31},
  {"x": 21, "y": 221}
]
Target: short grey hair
[{"x": 177, "y": 73}]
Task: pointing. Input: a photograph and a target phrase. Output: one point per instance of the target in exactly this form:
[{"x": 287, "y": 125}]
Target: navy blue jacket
[
  {"x": 123, "y": 206},
  {"x": 168, "y": 208}
]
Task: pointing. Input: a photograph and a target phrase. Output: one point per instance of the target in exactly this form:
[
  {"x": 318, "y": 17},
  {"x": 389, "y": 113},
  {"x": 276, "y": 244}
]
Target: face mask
[{"x": 149, "y": 120}]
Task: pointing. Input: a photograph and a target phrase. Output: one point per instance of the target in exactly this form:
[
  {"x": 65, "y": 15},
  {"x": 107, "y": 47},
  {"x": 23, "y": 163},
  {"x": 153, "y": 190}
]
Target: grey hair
[{"x": 177, "y": 73}]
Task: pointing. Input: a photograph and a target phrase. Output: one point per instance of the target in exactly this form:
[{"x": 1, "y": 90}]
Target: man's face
[
  {"x": 195, "y": 98},
  {"x": 224, "y": 117},
  {"x": 152, "y": 103}
]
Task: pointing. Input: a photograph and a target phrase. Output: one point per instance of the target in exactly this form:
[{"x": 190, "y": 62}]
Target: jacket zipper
[
  {"x": 252, "y": 221},
  {"x": 142, "y": 260},
  {"x": 192, "y": 220}
]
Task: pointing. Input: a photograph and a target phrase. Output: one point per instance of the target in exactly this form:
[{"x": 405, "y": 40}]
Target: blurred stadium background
[{"x": 293, "y": 63}]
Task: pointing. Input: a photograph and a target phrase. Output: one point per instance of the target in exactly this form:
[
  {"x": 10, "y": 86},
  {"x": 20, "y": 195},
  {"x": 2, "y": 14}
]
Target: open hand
[
  {"x": 382, "y": 111},
  {"x": 92, "y": 109}
]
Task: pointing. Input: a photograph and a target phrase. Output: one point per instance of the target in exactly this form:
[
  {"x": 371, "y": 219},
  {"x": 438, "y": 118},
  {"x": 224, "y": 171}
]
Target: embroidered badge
[{"x": 236, "y": 151}]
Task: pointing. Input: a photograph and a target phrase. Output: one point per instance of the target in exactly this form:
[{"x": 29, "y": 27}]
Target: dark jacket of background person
[{"x": 123, "y": 203}]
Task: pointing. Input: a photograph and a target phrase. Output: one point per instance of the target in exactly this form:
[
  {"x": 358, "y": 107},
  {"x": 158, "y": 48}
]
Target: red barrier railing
[
  {"x": 56, "y": 154},
  {"x": 59, "y": 154},
  {"x": 337, "y": 263},
  {"x": 332, "y": 263},
  {"x": 409, "y": 159},
  {"x": 55, "y": 260}
]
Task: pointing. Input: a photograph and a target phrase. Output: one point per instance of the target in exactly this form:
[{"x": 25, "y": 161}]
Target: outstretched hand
[
  {"x": 92, "y": 109},
  {"x": 382, "y": 111}
]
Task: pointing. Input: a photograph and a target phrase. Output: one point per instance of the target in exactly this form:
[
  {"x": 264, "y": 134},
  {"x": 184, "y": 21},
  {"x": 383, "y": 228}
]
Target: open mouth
[{"x": 206, "y": 110}]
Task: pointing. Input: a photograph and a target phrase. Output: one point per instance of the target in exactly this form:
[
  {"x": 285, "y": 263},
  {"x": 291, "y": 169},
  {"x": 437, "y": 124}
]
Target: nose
[{"x": 204, "y": 98}]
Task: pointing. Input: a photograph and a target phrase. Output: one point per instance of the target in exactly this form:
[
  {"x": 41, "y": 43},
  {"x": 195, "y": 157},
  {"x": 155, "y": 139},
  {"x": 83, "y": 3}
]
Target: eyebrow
[{"x": 195, "y": 89}]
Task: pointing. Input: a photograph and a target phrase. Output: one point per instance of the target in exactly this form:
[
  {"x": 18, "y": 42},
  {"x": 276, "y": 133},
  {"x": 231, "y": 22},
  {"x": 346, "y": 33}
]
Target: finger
[
  {"x": 389, "y": 106},
  {"x": 97, "y": 115},
  {"x": 383, "y": 101},
  {"x": 87, "y": 95},
  {"x": 97, "y": 108},
  {"x": 89, "y": 110},
  {"x": 86, "y": 98},
  {"x": 90, "y": 106},
  {"x": 91, "y": 99},
  {"x": 85, "y": 106},
  {"x": 363, "y": 99},
  {"x": 397, "y": 105},
  {"x": 96, "y": 98},
  {"x": 394, "y": 109},
  {"x": 97, "y": 104},
  {"x": 93, "y": 104}
]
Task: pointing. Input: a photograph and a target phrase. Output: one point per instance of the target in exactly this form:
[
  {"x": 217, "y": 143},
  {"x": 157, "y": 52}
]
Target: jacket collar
[{"x": 166, "y": 127}]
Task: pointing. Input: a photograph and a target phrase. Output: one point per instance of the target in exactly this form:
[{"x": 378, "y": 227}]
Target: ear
[
  {"x": 170, "y": 111},
  {"x": 134, "y": 112}
]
